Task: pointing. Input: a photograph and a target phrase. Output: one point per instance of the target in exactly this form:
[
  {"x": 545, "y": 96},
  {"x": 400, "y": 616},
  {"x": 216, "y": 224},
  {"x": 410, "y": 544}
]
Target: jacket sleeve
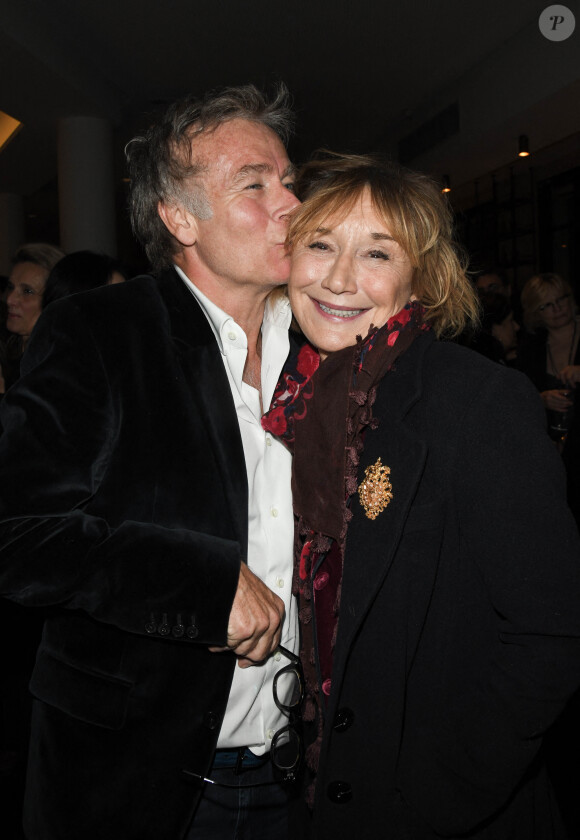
[
  {"x": 61, "y": 424},
  {"x": 511, "y": 656}
]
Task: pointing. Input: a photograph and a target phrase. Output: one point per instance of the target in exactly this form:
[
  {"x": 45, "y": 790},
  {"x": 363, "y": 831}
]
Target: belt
[{"x": 238, "y": 760}]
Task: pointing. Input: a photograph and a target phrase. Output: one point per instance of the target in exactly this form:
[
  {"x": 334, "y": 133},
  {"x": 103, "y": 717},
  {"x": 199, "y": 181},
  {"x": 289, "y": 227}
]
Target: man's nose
[{"x": 288, "y": 201}]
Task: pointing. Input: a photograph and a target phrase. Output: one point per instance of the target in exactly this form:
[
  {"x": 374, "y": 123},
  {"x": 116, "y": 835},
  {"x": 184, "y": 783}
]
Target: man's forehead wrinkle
[{"x": 252, "y": 169}]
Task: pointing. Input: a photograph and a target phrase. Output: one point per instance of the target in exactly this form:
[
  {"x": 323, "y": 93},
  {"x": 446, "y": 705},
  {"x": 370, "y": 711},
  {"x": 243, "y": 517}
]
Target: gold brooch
[{"x": 375, "y": 491}]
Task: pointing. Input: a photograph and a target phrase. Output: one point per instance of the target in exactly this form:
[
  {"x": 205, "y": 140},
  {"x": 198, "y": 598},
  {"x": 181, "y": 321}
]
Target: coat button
[
  {"x": 339, "y": 792},
  {"x": 344, "y": 720},
  {"x": 151, "y": 626},
  {"x": 211, "y": 720}
]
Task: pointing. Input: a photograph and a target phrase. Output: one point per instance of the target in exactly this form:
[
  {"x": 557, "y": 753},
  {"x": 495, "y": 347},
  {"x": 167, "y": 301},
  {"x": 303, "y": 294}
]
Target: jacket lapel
[
  {"x": 203, "y": 369},
  {"x": 371, "y": 545}
]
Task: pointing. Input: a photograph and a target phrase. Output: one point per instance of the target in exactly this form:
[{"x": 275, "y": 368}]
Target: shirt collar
[{"x": 277, "y": 313}]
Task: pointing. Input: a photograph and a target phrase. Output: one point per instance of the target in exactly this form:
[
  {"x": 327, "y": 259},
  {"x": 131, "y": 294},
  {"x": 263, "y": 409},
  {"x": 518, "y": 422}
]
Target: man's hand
[{"x": 255, "y": 621}]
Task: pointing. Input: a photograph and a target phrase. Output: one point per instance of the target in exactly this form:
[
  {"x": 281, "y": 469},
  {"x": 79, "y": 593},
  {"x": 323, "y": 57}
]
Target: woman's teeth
[{"x": 340, "y": 313}]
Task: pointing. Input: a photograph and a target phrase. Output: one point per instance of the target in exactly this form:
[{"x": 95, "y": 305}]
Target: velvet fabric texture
[
  {"x": 123, "y": 505},
  {"x": 459, "y": 635}
]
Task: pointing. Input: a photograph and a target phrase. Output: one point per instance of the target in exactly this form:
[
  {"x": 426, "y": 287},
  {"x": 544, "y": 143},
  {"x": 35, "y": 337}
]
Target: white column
[
  {"x": 11, "y": 228},
  {"x": 86, "y": 187}
]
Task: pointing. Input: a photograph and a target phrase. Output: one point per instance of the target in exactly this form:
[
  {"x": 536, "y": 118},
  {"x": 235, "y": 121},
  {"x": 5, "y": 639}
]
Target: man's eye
[
  {"x": 28, "y": 291},
  {"x": 291, "y": 186},
  {"x": 254, "y": 187}
]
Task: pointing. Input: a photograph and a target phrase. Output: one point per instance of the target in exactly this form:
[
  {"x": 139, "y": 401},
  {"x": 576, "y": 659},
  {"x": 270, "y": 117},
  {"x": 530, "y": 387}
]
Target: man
[
  {"x": 492, "y": 281},
  {"x": 144, "y": 504}
]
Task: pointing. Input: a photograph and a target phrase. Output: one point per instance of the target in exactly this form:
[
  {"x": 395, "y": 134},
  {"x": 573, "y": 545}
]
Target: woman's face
[
  {"x": 347, "y": 275},
  {"x": 556, "y": 308},
  {"x": 24, "y": 297}
]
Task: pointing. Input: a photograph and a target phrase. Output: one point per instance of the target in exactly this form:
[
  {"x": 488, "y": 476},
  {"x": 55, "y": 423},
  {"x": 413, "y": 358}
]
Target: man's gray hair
[{"x": 163, "y": 168}]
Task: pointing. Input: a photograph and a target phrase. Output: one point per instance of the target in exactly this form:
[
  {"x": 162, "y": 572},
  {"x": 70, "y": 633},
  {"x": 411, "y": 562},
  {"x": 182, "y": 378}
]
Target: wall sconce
[
  {"x": 523, "y": 146},
  {"x": 9, "y": 127},
  {"x": 446, "y": 184}
]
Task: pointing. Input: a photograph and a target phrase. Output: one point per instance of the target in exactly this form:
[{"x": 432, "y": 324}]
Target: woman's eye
[
  {"x": 27, "y": 291},
  {"x": 318, "y": 246},
  {"x": 379, "y": 255}
]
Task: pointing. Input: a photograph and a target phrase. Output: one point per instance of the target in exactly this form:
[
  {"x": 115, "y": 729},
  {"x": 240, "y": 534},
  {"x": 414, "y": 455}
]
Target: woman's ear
[{"x": 179, "y": 222}]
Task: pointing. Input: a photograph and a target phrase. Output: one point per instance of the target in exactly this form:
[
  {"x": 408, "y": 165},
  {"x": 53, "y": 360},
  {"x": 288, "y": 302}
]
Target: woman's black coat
[{"x": 459, "y": 631}]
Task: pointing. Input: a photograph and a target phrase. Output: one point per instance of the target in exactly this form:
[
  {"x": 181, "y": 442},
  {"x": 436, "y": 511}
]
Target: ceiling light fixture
[{"x": 523, "y": 146}]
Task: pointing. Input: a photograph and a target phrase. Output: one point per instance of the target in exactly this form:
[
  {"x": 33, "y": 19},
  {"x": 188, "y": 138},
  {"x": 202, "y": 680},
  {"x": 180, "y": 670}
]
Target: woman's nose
[{"x": 340, "y": 279}]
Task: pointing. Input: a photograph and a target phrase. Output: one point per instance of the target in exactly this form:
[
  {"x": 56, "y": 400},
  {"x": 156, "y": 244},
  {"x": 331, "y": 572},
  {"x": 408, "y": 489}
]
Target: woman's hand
[
  {"x": 556, "y": 400},
  {"x": 570, "y": 375}
]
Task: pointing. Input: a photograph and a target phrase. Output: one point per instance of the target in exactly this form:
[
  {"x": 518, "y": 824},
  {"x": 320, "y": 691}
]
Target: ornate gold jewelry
[{"x": 375, "y": 490}]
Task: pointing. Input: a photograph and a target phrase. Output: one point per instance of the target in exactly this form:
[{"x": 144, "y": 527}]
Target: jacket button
[
  {"x": 192, "y": 632},
  {"x": 211, "y": 720},
  {"x": 344, "y": 720},
  {"x": 164, "y": 629},
  {"x": 339, "y": 792},
  {"x": 151, "y": 626},
  {"x": 178, "y": 629}
]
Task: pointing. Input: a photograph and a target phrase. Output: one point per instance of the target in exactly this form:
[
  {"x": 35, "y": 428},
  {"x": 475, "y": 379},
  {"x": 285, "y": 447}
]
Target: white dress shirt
[{"x": 252, "y": 717}]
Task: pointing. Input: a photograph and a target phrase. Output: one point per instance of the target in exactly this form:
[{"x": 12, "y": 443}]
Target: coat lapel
[
  {"x": 371, "y": 544},
  {"x": 203, "y": 369}
]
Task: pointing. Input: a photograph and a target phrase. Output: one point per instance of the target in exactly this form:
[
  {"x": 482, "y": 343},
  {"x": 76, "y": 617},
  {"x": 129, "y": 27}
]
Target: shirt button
[
  {"x": 270, "y": 734},
  {"x": 268, "y": 440},
  {"x": 274, "y": 512},
  {"x": 280, "y": 582},
  {"x": 232, "y": 336}
]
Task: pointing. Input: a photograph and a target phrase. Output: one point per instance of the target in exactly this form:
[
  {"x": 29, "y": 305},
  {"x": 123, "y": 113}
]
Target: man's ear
[{"x": 179, "y": 222}]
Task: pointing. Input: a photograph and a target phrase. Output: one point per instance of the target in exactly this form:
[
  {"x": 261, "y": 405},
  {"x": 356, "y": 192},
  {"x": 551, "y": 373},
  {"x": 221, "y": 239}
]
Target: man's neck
[{"x": 244, "y": 302}]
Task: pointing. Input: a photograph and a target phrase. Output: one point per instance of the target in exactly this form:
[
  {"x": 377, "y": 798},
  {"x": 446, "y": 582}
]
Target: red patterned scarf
[{"x": 321, "y": 412}]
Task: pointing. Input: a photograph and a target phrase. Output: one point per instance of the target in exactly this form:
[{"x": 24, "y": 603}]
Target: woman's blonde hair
[
  {"x": 417, "y": 216},
  {"x": 532, "y": 297}
]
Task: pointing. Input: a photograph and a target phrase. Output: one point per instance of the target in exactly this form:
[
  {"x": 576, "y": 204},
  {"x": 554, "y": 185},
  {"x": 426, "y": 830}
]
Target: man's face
[
  {"x": 488, "y": 284},
  {"x": 248, "y": 183}
]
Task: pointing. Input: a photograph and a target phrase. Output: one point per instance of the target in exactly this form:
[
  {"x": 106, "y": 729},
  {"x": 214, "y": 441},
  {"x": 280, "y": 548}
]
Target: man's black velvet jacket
[{"x": 123, "y": 505}]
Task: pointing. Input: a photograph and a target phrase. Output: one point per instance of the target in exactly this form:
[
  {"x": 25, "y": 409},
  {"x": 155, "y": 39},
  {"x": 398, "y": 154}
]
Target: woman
[
  {"x": 551, "y": 358},
  {"x": 30, "y": 267},
  {"x": 436, "y": 562}
]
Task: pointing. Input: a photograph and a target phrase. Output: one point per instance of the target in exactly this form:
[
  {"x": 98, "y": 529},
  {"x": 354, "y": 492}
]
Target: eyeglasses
[
  {"x": 549, "y": 305},
  {"x": 287, "y": 746}
]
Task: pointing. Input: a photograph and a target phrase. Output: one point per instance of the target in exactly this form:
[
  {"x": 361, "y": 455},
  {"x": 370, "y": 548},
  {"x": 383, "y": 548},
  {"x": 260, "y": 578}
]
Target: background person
[
  {"x": 550, "y": 356},
  {"x": 439, "y": 602},
  {"x": 30, "y": 267},
  {"x": 80, "y": 272}
]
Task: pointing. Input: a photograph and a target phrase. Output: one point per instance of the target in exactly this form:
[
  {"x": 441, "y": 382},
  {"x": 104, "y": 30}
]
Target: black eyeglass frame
[{"x": 290, "y": 774}]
